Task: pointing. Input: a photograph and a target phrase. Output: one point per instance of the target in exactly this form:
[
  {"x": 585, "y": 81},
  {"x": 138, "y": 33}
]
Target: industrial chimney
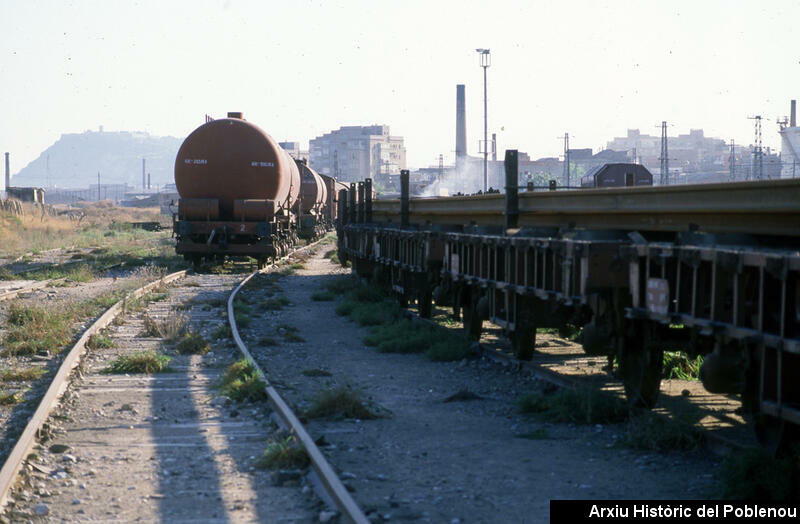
[
  {"x": 793, "y": 117},
  {"x": 461, "y": 127},
  {"x": 8, "y": 174}
]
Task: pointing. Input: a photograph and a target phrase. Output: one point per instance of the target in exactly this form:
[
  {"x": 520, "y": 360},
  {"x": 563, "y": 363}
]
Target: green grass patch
[
  {"x": 677, "y": 365},
  {"x": 99, "y": 341},
  {"x": 316, "y": 373},
  {"x": 274, "y": 303},
  {"x": 242, "y": 319},
  {"x": 536, "y": 434},
  {"x": 341, "y": 284},
  {"x": 222, "y": 332},
  {"x": 242, "y": 306},
  {"x": 283, "y": 454},
  {"x": 752, "y": 474},
  {"x": 664, "y": 432},
  {"x": 339, "y": 403},
  {"x": 289, "y": 333},
  {"x": 296, "y": 266},
  {"x": 580, "y": 406},
  {"x": 322, "y": 296},
  {"x": 243, "y": 382},
  {"x": 192, "y": 343},
  {"x": 21, "y": 374},
  {"x": 10, "y": 399},
  {"x": 141, "y": 362}
]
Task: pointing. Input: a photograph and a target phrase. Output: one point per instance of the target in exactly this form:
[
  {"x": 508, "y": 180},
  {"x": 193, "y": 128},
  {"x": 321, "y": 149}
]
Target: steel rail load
[{"x": 711, "y": 269}]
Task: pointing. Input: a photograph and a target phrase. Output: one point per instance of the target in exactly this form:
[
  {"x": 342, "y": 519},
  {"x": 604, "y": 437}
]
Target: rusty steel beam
[{"x": 769, "y": 207}]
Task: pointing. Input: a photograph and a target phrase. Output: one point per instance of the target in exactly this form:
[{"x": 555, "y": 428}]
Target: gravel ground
[
  {"x": 437, "y": 461},
  {"x": 161, "y": 447}
]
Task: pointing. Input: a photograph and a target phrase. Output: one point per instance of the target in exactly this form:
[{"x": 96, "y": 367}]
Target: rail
[{"x": 331, "y": 482}]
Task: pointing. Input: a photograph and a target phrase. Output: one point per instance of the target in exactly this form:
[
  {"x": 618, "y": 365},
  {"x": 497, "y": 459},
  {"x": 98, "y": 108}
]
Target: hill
[{"x": 75, "y": 159}]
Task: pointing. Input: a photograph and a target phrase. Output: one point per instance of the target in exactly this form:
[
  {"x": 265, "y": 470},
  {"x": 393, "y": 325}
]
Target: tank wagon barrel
[{"x": 713, "y": 269}]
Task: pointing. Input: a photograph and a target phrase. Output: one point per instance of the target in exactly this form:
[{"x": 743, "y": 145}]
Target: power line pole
[
  {"x": 758, "y": 154},
  {"x": 732, "y": 161},
  {"x": 664, "y": 155},
  {"x": 98, "y": 186}
]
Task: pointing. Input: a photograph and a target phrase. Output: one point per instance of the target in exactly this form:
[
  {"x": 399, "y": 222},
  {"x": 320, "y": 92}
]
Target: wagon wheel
[{"x": 640, "y": 366}]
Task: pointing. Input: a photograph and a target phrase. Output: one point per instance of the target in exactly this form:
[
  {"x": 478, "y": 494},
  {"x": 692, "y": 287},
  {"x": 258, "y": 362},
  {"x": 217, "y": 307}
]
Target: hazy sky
[{"x": 301, "y": 68}]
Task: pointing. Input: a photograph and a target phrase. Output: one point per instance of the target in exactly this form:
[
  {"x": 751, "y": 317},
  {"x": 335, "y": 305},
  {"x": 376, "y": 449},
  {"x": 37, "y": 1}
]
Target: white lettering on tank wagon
[
  {"x": 196, "y": 161},
  {"x": 261, "y": 164}
]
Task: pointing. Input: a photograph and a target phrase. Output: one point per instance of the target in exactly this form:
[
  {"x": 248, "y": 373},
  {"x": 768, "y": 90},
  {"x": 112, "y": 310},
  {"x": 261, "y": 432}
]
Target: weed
[
  {"x": 581, "y": 406},
  {"x": 243, "y": 382},
  {"x": 316, "y": 373},
  {"x": 677, "y": 365},
  {"x": 536, "y": 434},
  {"x": 140, "y": 362},
  {"x": 283, "y": 454},
  {"x": 98, "y": 341},
  {"x": 9, "y": 399},
  {"x": 33, "y": 329},
  {"x": 222, "y": 332},
  {"x": 274, "y": 303},
  {"x": 21, "y": 374},
  {"x": 170, "y": 329},
  {"x": 289, "y": 333},
  {"x": 193, "y": 343},
  {"x": 752, "y": 474},
  {"x": 242, "y": 319},
  {"x": 240, "y": 305},
  {"x": 296, "y": 266},
  {"x": 662, "y": 432},
  {"x": 342, "y": 284},
  {"x": 338, "y": 403},
  {"x": 268, "y": 341},
  {"x": 322, "y": 296}
]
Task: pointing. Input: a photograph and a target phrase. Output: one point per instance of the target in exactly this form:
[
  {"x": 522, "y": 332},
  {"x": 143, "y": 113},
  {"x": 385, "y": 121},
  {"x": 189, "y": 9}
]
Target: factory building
[
  {"x": 790, "y": 145},
  {"x": 353, "y": 153},
  {"x": 293, "y": 148}
]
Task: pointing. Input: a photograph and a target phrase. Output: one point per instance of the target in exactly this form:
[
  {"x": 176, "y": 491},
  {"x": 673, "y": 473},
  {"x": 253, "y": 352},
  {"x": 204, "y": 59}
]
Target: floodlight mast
[{"x": 486, "y": 61}]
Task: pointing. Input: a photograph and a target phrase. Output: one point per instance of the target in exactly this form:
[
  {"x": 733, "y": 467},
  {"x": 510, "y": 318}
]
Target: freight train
[
  {"x": 241, "y": 194},
  {"x": 709, "y": 269}
]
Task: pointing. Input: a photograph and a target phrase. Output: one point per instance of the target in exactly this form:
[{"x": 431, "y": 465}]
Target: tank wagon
[
  {"x": 710, "y": 269},
  {"x": 240, "y": 194},
  {"x": 313, "y": 206}
]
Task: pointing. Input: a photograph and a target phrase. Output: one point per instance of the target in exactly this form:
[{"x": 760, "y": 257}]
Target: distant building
[
  {"x": 293, "y": 148},
  {"x": 353, "y": 153},
  {"x": 26, "y": 194}
]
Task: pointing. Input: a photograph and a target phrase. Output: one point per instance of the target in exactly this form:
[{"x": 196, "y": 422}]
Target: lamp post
[{"x": 486, "y": 61}]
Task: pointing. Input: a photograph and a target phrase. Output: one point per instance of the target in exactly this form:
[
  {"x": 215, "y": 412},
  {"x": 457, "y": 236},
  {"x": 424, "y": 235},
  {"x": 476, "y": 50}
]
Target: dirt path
[{"x": 436, "y": 461}]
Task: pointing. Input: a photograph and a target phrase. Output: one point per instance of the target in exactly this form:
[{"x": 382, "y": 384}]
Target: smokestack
[
  {"x": 8, "y": 173},
  {"x": 148, "y": 180},
  {"x": 494, "y": 147},
  {"x": 461, "y": 125},
  {"x": 144, "y": 186},
  {"x": 792, "y": 118}
]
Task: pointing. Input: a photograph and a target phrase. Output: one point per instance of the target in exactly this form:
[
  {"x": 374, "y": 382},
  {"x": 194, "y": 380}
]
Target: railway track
[{"x": 163, "y": 446}]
